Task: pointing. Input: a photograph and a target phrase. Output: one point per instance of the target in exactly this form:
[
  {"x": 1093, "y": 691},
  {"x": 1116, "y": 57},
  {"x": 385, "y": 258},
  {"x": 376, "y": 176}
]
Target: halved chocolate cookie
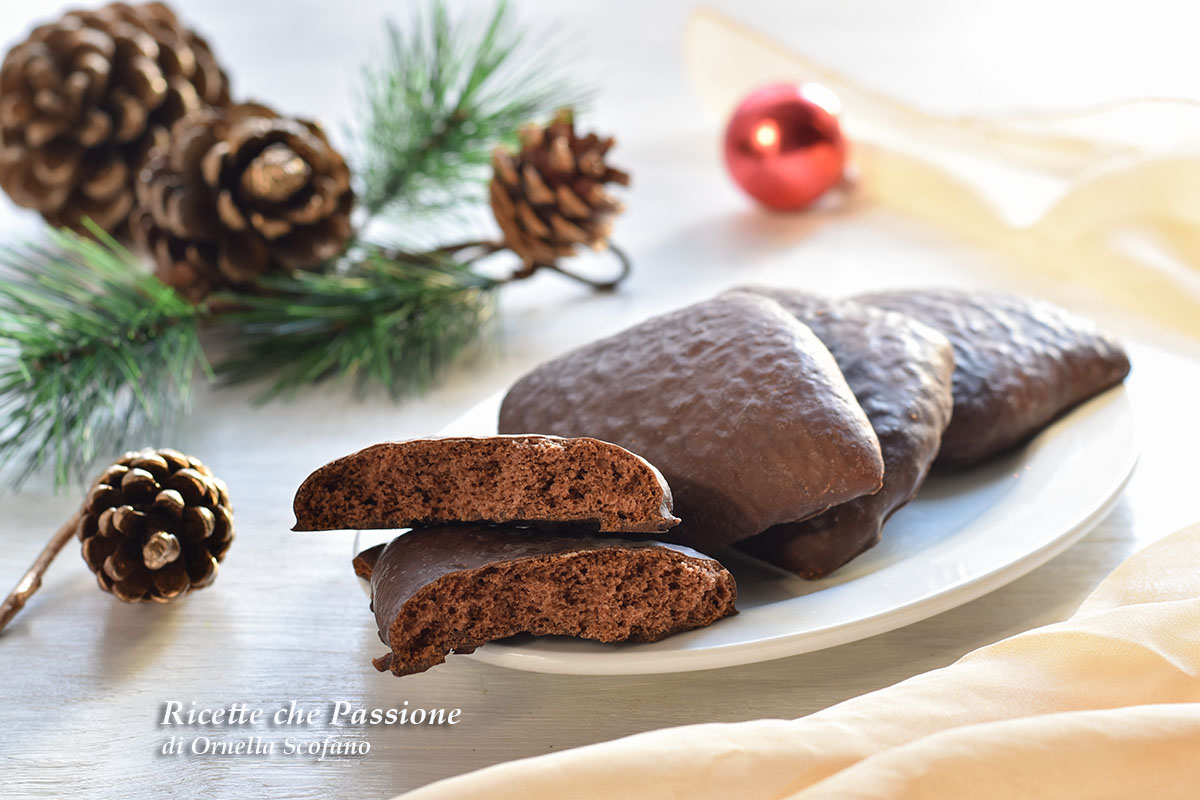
[
  {"x": 523, "y": 479},
  {"x": 364, "y": 562},
  {"x": 1019, "y": 363},
  {"x": 442, "y": 590},
  {"x": 900, "y": 370},
  {"x": 736, "y": 401}
]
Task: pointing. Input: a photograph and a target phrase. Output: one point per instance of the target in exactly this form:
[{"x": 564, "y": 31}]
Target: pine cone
[
  {"x": 84, "y": 99},
  {"x": 549, "y": 197},
  {"x": 155, "y": 525},
  {"x": 240, "y": 192}
]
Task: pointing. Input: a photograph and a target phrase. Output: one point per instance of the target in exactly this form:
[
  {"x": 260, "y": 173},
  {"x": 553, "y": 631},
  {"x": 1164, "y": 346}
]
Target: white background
[{"x": 84, "y": 676}]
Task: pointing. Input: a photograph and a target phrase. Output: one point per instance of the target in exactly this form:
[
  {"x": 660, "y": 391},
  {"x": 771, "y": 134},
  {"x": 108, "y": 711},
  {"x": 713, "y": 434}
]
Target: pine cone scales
[
  {"x": 550, "y": 197},
  {"x": 241, "y": 192},
  {"x": 155, "y": 525},
  {"x": 84, "y": 99}
]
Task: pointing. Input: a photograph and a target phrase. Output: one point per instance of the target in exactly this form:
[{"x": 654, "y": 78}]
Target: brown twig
[
  {"x": 485, "y": 245},
  {"x": 431, "y": 257},
  {"x": 32, "y": 580}
]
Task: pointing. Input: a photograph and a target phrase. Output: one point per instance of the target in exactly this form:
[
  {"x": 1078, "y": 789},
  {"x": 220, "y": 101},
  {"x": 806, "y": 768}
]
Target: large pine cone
[
  {"x": 240, "y": 192},
  {"x": 84, "y": 99},
  {"x": 550, "y": 197},
  {"x": 155, "y": 525}
]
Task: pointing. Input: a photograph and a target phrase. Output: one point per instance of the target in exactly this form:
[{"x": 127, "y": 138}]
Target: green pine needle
[
  {"x": 388, "y": 321},
  {"x": 92, "y": 352},
  {"x": 446, "y": 93}
]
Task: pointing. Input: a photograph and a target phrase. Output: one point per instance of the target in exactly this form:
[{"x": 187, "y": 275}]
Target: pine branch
[
  {"x": 92, "y": 351},
  {"x": 389, "y": 319},
  {"x": 433, "y": 110},
  {"x": 442, "y": 100}
]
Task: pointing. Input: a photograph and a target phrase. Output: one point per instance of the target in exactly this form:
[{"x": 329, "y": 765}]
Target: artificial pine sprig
[
  {"x": 92, "y": 351},
  {"x": 390, "y": 319},
  {"x": 445, "y": 95}
]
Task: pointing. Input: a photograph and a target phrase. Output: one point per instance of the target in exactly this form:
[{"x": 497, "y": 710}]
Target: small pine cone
[
  {"x": 84, "y": 99},
  {"x": 550, "y": 197},
  {"x": 238, "y": 193},
  {"x": 155, "y": 525}
]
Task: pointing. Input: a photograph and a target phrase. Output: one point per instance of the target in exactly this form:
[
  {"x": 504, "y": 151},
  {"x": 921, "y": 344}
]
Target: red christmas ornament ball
[{"x": 784, "y": 144}]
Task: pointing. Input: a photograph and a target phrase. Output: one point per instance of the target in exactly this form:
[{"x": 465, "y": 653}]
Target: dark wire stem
[
  {"x": 601, "y": 286},
  {"x": 487, "y": 248}
]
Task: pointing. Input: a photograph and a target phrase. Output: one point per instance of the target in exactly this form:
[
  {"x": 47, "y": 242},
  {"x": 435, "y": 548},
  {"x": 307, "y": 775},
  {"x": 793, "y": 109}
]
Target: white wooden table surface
[{"x": 83, "y": 678}]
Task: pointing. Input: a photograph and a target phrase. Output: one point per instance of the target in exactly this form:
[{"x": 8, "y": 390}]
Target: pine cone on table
[
  {"x": 550, "y": 196},
  {"x": 155, "y": 525},
  {"x": 238, "y": 193},
  {"x": 84, "y": 99}
]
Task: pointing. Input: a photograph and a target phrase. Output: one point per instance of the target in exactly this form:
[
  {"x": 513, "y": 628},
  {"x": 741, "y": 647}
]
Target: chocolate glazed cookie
[
  {"x": 1019, "y": 363},
  {"x": 900, "y": 371},
  {"x": 442, "y": 590},
  {"x": 738, "y": 403}
]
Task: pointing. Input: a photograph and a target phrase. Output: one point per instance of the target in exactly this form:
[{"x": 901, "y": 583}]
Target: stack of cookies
[
  {"x": 513, "y": 534},
  {"x": 787, "y": 426}
]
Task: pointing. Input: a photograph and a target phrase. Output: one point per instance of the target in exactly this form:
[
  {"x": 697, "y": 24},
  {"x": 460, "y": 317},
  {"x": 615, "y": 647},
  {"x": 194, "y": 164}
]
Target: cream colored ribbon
[
  {"x": 1106, "y": 197},
  {"x": 1105, "y": 704}
]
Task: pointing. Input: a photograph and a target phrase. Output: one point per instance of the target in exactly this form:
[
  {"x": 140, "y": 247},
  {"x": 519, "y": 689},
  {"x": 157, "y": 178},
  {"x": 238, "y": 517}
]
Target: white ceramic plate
[{"x": 966, "y": 534}]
